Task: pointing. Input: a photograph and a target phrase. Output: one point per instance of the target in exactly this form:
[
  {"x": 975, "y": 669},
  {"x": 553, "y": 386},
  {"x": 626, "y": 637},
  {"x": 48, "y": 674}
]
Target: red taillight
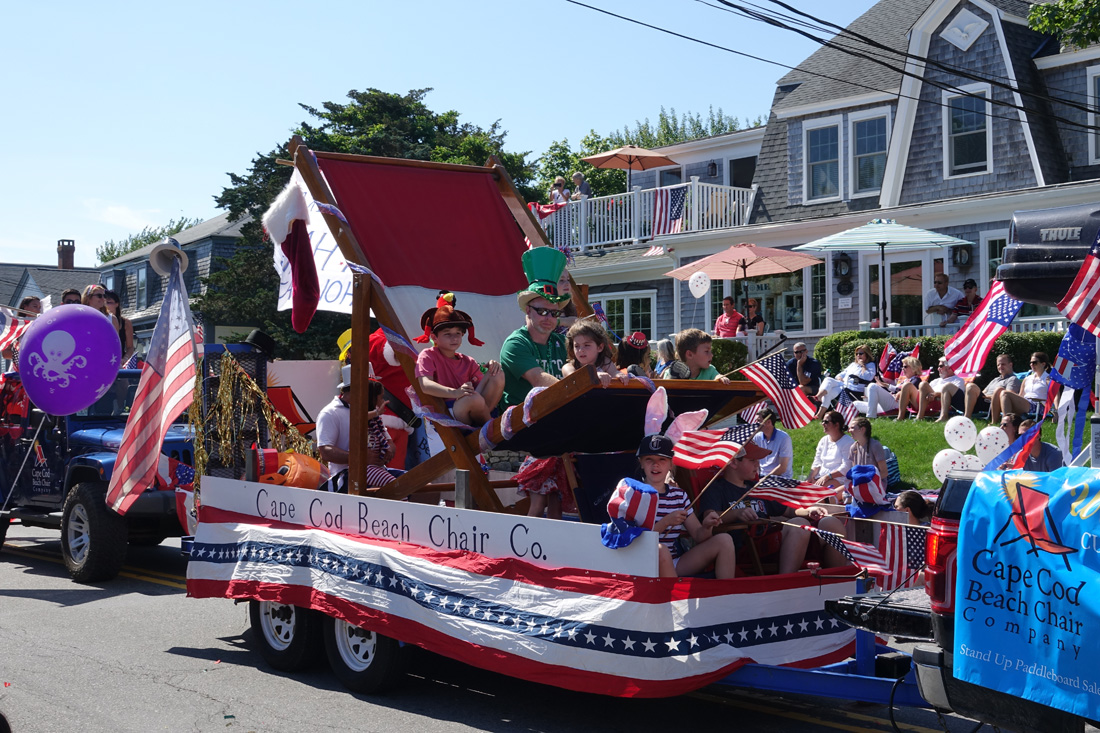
[
  {"x": 932, "y": 549},
  {"x": 943, "y": 539}
]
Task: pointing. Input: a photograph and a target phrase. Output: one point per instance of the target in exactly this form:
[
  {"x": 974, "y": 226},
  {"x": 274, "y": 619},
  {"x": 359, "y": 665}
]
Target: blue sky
[{"x": 122, "y": 115}]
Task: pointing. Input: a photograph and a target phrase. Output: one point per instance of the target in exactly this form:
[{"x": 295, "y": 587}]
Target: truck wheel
[
  {"x": 93, "y": 537},
  {"x": 363, "y": 660},
  {"x": 289, "y": 636}
]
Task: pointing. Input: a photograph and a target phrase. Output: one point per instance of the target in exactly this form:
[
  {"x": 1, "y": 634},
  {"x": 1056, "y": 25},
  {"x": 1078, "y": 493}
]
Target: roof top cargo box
[{"x": 1045, "y": 250}]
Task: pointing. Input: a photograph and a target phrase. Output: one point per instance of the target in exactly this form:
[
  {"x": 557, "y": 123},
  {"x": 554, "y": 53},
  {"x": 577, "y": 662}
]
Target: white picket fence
[{"x": 1020, "y": 325}]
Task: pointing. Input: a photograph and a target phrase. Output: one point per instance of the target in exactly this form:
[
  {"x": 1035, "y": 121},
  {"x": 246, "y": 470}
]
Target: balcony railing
[
  {"x": 628, "y": 218},
  {"x": 1020, "y": 325}
]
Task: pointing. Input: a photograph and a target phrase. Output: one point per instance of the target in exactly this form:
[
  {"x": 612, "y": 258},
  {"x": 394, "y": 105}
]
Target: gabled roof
[
  {"x": 10, "y": 276},
  {"x": 219, "y": 226},
  {"x": 51, "y": 281}
]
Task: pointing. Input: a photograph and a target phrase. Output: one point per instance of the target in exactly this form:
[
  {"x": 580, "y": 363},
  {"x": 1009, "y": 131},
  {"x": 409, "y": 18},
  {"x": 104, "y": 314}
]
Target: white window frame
[
  {"x": 983, "y": 260},
  {"x": 1092, "y": 74},
  {"x": 657, "y": 175},
  {"x": 809, "y": 126},
  {"x": 946, "y": 97},
  {"x": 853, "y": 118},
  {"x": 625, "y": 296}
]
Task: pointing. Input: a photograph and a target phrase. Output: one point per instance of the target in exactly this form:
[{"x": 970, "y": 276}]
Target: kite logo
[{"x": 1031, "y": 517}]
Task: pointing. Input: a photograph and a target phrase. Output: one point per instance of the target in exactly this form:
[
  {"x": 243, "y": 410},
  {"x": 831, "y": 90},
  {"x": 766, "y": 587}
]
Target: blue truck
[{"x": 54, "y": 473}]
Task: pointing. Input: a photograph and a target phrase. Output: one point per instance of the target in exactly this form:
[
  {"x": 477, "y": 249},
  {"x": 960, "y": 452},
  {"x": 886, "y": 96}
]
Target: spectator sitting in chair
[
  {"x": 831, "y": 462},
  {"x": 1006, "y": 380},
  {"x": 1032, "y": 391},
  {"x": 790, "y": 542},
  {"x": 776, "y": 441},
  {"x": 1044, "y": 457},
  {"x": 805, "y": 370},
  {"x": 886, "y": 395},
  {"x": 948, "y": 387},
  {"x": 853, "y": 380}
]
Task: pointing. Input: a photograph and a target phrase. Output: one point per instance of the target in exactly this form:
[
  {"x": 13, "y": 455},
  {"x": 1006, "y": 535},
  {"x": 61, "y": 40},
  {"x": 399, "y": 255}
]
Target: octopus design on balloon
[{"x": 58, "y": 348}]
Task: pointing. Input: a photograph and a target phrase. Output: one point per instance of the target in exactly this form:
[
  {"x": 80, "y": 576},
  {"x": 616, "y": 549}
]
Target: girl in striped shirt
[{"x": 674, "y": 514}]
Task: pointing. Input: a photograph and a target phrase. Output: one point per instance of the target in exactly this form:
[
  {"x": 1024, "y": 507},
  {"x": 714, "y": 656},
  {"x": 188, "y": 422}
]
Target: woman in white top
[
  {"x": 831, "y": 456},
  {"x": 853, "y": 380},
  {"x": 886, "y": 395},
  {"x": 1033, "y": 390},
  {"x": 559, "y": 194}
]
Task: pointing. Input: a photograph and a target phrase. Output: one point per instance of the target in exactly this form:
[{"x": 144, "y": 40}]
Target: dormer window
[
  {"x": 968, "y": 146},
  {"x": 869, "y": 135},
  {"x": 142, "y": 288},
  {"x": 821, "y": 140}
]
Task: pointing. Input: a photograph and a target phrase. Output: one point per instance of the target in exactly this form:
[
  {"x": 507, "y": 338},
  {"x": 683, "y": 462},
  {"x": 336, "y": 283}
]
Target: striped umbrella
[{"x": 881, "y": 235}]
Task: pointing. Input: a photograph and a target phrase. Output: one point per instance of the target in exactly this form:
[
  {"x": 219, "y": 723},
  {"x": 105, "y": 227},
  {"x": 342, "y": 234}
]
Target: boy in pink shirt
[{"x": 442, "y": 372}]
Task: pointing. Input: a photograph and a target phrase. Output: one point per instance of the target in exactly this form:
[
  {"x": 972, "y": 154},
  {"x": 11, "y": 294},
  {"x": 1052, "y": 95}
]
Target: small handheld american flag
[
  {"x": 711, "y": 448},
  {"x": 770, "y": 374}
]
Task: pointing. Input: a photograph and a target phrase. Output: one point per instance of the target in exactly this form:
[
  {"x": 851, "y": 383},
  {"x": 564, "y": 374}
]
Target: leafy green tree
[
  {"x": 561, "y": 160},
  {"x": 372, "y": 122},
  {"x": 112, "y": 250},
  {"x": 1074, "y": 22}
]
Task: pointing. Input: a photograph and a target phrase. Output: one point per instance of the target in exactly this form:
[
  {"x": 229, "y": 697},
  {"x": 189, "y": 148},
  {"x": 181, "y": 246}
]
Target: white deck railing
[
  {"x": 1020, "y": 325},
  {"x": 627, "y": 218}
]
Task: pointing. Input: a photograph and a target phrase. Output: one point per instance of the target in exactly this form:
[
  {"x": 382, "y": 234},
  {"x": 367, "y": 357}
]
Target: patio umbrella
[
  {"x": 742, "y": 261},
  {"x": 880, "y": 235},
  {"x": 630, "y": 158}
]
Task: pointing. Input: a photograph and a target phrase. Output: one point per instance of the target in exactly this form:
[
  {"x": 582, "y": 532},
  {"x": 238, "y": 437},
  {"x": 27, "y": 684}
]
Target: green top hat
[{"x": 543, "y": 267}]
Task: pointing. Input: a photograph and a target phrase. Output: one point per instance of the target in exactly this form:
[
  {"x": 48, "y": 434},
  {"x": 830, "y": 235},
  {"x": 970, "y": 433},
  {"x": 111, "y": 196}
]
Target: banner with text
[{"x": 1028, "y": 593}]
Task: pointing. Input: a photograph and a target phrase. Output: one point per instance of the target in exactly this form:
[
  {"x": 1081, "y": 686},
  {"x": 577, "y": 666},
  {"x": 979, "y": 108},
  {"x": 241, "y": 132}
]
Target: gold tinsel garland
[{"x": 234, "y": 403}]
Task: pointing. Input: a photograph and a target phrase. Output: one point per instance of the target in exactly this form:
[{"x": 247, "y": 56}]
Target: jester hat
[{"x": 444, "y": 315}]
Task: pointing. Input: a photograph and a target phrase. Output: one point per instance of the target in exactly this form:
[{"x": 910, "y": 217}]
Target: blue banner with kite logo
[{"x": 1027, "y": 601}]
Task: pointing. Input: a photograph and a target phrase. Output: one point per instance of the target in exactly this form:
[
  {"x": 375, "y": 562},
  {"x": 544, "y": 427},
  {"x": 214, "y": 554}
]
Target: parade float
[{"x": 359, "y": 575}]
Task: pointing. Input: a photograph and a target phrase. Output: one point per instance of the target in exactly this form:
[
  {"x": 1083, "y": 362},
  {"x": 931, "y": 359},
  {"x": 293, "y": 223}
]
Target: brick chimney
[{"x": 66, "y": 249}]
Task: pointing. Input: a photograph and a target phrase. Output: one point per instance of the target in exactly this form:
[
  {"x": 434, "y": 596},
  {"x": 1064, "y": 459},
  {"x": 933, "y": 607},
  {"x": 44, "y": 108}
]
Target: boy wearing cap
[
  {"x": 457, "y": 378},
  {"x": 970, "y": 301},
  {"x": 724, "y": 501},
  {"x": 674, "y": 514}
]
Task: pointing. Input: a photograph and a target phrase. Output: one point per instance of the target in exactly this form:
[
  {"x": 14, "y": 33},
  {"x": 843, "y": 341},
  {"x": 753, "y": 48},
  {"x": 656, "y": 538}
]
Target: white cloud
[{"x": 120, "y": 215}]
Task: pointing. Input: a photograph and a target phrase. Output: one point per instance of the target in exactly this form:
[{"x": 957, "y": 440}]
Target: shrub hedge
[
  {"x": 838, "y": 348},
  {"x": 729, "y": 355}
]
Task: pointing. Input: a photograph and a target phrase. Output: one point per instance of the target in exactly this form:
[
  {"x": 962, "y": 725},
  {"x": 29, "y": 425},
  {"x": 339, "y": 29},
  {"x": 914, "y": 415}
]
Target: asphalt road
[{"x": 136, "y": 654}]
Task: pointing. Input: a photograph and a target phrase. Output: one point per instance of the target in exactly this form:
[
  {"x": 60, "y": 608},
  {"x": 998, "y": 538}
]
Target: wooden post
[{"x": 360, "y": 397}]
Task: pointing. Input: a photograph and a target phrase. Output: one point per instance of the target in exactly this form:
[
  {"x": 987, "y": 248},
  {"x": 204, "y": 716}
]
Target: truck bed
[{"x": 906, "y": 613}]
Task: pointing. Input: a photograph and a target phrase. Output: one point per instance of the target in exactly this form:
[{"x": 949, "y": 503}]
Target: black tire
[
  {"x": 147, "y": 540},
  {"x": 93, "y": 537},
  {"x": 289, "y": 637},
  {"x": 364, "y": 661},
  {"x": 5, "y": 522}
]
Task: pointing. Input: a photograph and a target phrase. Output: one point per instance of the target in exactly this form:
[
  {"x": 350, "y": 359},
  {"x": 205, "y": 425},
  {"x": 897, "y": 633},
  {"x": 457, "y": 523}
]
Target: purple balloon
[{"x": 69, "y": 358}]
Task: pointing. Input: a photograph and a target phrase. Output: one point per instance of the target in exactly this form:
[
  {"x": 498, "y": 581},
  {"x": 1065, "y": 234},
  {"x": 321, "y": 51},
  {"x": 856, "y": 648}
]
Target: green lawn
[{"x": 914, "y": 443}]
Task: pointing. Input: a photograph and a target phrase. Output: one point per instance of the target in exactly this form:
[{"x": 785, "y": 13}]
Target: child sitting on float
[
  {"x": 673, "y": 514},
  {"x": 379, "y": 445},
  {"x": 588, "y": 344},
  {"x": 442, "y": 372},
  {"x": 633, "y": 356}
]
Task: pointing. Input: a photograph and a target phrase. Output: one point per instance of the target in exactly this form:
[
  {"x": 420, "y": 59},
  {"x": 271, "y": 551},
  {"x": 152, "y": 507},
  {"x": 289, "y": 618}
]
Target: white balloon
[
  {"x": 973, "y": 463},
  {"x": 991, "y": 441},
  {"x": 946, "y": 460},
  {"x": 699, "y": 284},
  {"x": 960, "y": 433}
]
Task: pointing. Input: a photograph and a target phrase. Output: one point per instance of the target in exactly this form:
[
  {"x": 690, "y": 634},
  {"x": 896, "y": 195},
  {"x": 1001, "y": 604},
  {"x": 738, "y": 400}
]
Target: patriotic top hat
[
  {"x": 866, "y": 485},
  {"x": 543, "y": 267},
  {"x": 632, "y": 508},
  {"x": 445, "y": 315}
]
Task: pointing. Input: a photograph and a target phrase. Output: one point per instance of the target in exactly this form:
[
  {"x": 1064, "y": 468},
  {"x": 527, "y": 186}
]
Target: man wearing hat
[
  {"x": 725, "y": 498},
  {"x": 334, "y": 426},
  {"x": 533, "y": 355},
  {"x": 970, "y": 302}
]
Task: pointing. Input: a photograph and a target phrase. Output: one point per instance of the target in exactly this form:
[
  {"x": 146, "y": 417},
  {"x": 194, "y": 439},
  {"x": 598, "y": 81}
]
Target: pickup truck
[{"x": 63, "y": 477}]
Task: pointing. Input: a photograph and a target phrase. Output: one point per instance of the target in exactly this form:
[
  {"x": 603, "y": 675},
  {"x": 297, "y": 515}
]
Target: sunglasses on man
[{"x": 547, "y": 311}]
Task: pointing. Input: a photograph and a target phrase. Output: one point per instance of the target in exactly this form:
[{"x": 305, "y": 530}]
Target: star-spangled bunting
[
  {"x": 1075, "y": 364},
  {"x": 904, "y": 547},
  {"x": 711, "y": 448},
  {"x": 770, "y": 374},
  {"x": 1082, "y": 302},
  {"x": 967, "y": 350},
  {"x": 668, "y": 210},
  {"x": 790, "y": 492}
]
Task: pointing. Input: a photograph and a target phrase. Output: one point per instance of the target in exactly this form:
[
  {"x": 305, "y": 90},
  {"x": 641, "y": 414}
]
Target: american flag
[
  {"x": 789, "y": 492},
  {"x": 887, "y": 357},
  {"x": 750, "y": 413},
  {"x": 668, "y": 210},
  {"x": 1082, "y": 302},
  {"x": 544, "y": 210},
  {"x": 164, "y": 391},
  {"x": 654, "y": 251},
  {"x": 1076, "y": 361},
  {"x": 903, "y": 548},
  {"x": 966, "y": 350},
  {"x": 711, "y": 448},
  {"x": 597, "y": 308},
  {"x": 846, "y": 406},
  {"x": 770, "y": 374},
  {"x": 865, "y": 556},
  {"x": 892, "y": 370},
  {"x": 11, "y": 327},
  {"x": 200, "y": 336},
  {"x": 173, "y": 474}
]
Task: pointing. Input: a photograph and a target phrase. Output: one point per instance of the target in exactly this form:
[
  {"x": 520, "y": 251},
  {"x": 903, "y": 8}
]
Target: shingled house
[{"x": 985, "y": 117}]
